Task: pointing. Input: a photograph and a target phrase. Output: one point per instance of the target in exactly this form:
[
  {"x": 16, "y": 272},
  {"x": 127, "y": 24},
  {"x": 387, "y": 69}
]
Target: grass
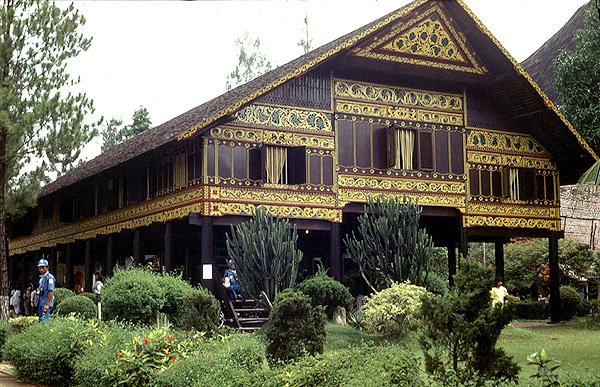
[{"x": 576, "y": 348}]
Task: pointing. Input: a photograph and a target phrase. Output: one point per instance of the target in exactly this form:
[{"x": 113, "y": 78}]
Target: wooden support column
[
  {"x": 69, "y": 267},
  {"x": 336, "y": 264},
  {"x": 109, "y": 256},
  {"x": 499, "y": 253},
  {"x": 463, "y": 244},
  {"x": 207, "y": 248},
  {"x": 451, "y": 262},
  {"x": 89, "y": 269},
  {"x": 168, "y": 256},
  {"x": 188, "y": 265},
  {"x": 52, "y": 261},
  {"x": 136, "y": 246},
  {"x": 554, "y": 278}
]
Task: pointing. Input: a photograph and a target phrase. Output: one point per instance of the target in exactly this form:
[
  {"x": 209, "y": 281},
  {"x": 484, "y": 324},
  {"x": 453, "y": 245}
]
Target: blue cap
[{"x": 42, "y": 262}]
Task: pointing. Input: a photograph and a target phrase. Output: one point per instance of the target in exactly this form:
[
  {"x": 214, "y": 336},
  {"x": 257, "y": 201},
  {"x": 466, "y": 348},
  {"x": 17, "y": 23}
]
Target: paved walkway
[{"x": 7, "y": 380}]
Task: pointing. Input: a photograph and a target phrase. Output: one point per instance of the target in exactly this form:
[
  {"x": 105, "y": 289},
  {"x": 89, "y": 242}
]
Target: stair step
[
  {"x": 251, "y": 310},
  {"x": 253, "y": 319}
]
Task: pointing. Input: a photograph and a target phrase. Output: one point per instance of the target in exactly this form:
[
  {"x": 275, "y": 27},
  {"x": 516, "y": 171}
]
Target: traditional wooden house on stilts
[{"x": 423, "y": 102}]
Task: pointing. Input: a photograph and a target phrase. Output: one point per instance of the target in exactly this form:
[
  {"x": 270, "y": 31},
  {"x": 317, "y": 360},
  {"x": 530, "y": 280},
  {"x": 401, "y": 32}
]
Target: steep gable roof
[{"x": 202, "y": 117}]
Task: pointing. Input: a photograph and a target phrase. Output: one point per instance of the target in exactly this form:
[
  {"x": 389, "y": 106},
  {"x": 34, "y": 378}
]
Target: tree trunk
[{"x": 4, "y": 286}]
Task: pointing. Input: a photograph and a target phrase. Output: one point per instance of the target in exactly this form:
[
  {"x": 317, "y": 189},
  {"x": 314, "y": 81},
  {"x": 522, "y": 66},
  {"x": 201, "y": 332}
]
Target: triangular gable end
[{"x": 427, "y": 39}]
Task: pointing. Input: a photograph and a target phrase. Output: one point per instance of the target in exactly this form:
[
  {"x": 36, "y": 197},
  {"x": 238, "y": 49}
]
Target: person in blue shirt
[
  {"x": 230, "y": 281},
  {"x": 46, "y": 292}
]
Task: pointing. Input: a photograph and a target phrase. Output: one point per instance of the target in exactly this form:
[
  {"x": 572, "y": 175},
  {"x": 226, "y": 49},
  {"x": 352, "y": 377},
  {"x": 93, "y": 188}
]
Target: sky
[{"x": 171, "y": 56}]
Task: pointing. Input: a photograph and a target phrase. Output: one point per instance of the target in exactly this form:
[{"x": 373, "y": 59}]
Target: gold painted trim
[
  {"x": 504, "y": 141},
  {"x": 351, "y": 41},
  {"x": 271, "y": 137},
  {"x": 162, "y": 209},
  {"x": 508, "y": 160},
  {"x": 497, "y": 221},
  {"x": 276, "y": 116},
  {"x": 329, "y": 214},
  {"x": 528, "y": 77},
  {"x": 443, "y": 200},
  {"x": 270, "y": 196},
  {"x": 372, "y": 182}
]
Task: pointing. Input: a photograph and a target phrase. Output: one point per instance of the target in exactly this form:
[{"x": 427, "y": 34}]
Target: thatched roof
[{"x": 540, "y": 65}]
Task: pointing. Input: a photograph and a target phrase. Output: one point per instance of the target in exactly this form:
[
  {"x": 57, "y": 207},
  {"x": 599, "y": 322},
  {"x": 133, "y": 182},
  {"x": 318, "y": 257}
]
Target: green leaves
[
  {"x": 390, "y": 246},
  {"x": 545, "y": 371}
]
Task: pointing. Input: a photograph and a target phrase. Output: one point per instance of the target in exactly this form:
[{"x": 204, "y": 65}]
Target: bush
[
  {"x": 465, "y": 316},
  {"x": 530, "y": 310},
  {"x": 584, "y": 308},
  {"x": 46, "y": 353},
  {"x": 21, "y": 323},
  {"x": 89, "y": 370},
  {"x": 387, "y": 365},
  {"x": 236, "y": 361},
  {"x": 294, "y": 328},
  {"x": 436, "y": 284},
  {"x": 324, "y": 290},
  {"x": 3, "y": 336},
  {"x": 569, "y": 300},
  {"x": 201, "y": 310},
  {"x": 176, "y": 290},
  {"x": 79, "y": 305},
  {"x": 134, "y": 295},
  {"x": 90, "y": 295},
  {"x": 143, "y": 358},
  {"x": 61, "y": 294},
  {"x": 394, "y": 310}
]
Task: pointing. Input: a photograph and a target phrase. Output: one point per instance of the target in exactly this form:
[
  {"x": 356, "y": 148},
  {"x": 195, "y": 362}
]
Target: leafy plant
[
  {"x": 21, "y": 323},
  {"x": 390, "y": 247},
  {"x": 78, "y": 305},
  {"x": 545, "y": 368},
  {"x": 569, "y": 301},
  {"x": 175, "y": 292},
  {"x": 201, "y": 311},
  {"x": 324, "y": 290},
  {"x": 134, "y": 295},
  {"x": 356, "y": 319},
  {"x": 393, "y": 311},
  {"x": 264, "y": 250},
  {"x": 61, "y": 294},
  {"x": 295, "y": 327},
  {"x": 461, "y": 330}
]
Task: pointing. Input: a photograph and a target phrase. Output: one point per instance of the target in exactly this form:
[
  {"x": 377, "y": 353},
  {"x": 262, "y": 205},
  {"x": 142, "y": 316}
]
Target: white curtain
[
  {"x": 513, "y": 179},
  {"x": 405, "y": 145},
  {"x": 276, "y": 165}
]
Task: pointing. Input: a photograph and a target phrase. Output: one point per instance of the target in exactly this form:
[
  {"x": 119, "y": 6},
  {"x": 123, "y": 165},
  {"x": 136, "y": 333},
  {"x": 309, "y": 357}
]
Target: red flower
[
  {"x": 120, "y": 355},
  {"x": 146, "y": 340},
  {"x": 173, "y": 359},
  {"x": 170, "y": 337}
]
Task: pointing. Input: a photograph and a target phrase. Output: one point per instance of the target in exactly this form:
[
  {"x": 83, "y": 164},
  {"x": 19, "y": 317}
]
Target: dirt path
[
  {"x": 7, "y": 380},
  {"x": 532, "y": 324}
]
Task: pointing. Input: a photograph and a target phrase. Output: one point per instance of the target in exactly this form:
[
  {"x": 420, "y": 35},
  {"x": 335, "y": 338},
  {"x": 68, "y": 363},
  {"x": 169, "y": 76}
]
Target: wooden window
[
  {"x": 519, "y": 184},
  {"x": 550, "y": 187},
  {"x": 426, "y": 151},
  {"x": 278, "y": 165},
  {"x": 255, "y": 167},
  {"x": 181, "y": 171},
  {"x": 401, "y": 146},
  {"x": 296, "y": 163},
  {"x": 497, "y": 184},
  {"x": 474, "y": 182}
]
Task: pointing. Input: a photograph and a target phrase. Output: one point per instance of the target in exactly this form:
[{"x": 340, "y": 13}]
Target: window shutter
[
  {"x": 426, "y": 151},
  {"x": 255, "y": 167},
  {"x": 391, "y": 147},
  {"x": 526, "y": 184},
  {"x": 296, "y": 165}
]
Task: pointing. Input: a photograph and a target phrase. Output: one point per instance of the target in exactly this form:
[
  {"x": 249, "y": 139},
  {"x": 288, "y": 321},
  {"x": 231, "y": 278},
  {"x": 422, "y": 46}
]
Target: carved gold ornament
[{"x": 285, "y": 117}]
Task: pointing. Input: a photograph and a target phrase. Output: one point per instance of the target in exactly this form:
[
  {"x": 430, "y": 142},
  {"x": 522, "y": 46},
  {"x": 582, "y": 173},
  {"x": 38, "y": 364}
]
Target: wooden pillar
[
  {"x": 168, "y": 255},
  {"x": 52, "y": 261},
  {"x": 451, "y": 262},
  {"x": 463, "y": 244},
  {"x": 136, "y": 246},
  {"x": 89, "y": 270},
  {"x": 188, "y": 265},
  {"x": 499, "y": 253},
  {"x": 554, "y": 278},
  {"x": 109, "y": 255},
  {"x": 336, "y": 263},
  {"x": 69, "y": 267},
  {"x": 207, "y": 247}
]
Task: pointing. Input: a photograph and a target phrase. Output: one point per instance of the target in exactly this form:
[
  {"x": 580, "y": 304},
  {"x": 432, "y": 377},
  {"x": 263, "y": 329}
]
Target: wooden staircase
[{"x": 249, "y": 315}]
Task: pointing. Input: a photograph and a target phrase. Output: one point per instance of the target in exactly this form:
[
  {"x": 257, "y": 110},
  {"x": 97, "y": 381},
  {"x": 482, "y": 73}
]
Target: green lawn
[{"x": 577, "y": 349}]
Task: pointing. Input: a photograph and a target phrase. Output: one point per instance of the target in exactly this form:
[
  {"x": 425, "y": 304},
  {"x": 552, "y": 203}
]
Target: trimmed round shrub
[
  {"x": 436, "y": 284},
  {"x": 176, "y": 290},
  {"x": 61, "y": 294},
  {"x": 327, "y": 292},
  {"x": 584, "y": 308},
  {"x": 134, "y": 295},
  {"x": 394, "y": 310},
  {"x": 295, "y": 327},
  {"x": 90, "y": 295},
  {"x": 530, "y": 310},
  {"x": 79, "y": 305},
  {"x": 47, "y": 353},
  {"x": 201, "y": 310},
  {"x": 569, "y": 301}
]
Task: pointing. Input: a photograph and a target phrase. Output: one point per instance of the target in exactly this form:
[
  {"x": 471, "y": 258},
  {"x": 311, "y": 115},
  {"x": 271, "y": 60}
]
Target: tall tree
[
  {"x": 251, "y": 62},
  {"x": 115, "y": 133},
  {"x": 577, "y": 78},
  {"x": 39, "y": 118},
  {"x": 306, "y": 42}
]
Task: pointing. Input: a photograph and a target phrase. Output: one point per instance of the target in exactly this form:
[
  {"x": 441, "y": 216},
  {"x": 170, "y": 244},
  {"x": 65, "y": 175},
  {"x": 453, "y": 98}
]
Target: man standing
[{"x": 46, "y": 290}]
